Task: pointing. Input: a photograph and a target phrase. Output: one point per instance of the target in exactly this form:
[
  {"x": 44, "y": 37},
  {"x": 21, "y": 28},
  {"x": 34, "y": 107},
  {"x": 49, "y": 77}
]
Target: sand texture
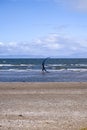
[{"x": 43, "y": 106}]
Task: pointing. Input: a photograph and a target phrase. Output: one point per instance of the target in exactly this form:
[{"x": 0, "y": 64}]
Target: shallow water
[
  {"x": 38, "y": 76},
  {"x": 29, "y": 70}
]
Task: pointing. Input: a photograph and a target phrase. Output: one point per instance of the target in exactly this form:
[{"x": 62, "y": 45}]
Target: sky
[{"x": 43, "y": 28}]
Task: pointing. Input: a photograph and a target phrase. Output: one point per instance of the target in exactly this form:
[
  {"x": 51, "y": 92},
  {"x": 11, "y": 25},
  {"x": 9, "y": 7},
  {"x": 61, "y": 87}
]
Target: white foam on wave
[
  {"x": 16, "y": 64},
  {"x": 78, "y": 70},
  {"x": 6, "y": 65}
]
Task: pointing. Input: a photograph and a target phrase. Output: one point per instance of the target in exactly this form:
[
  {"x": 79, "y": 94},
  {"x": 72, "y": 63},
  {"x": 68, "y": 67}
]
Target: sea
[{"x": 30, "y": 70}]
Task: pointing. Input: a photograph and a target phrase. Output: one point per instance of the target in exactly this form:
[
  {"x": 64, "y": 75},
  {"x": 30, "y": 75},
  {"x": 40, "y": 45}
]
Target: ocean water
[{"x": 30, "y": 70}]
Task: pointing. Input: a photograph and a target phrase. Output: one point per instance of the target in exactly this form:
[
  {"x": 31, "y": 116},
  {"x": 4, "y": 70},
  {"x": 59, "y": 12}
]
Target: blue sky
[{"x": 42, "y": 28}]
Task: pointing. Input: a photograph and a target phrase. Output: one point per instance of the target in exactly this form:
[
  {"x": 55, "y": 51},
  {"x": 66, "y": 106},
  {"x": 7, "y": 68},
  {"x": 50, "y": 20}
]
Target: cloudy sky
[{"x": 42, "y": 28}]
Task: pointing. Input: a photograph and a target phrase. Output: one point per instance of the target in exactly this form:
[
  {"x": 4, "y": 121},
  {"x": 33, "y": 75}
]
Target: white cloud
[
  {"x": 80, "y": 4},
  {"x": 53, "y": 45},
  {"x": 83, "y": 43},
  {"x": 38, "y": 41},
  {"x": 52, "y": 38},
  {"x": 1, "y": 43},
  {"x": 50, "y": 42},
  {"x": 63, "y": 46},
  {"x": 76, "y": 4}
]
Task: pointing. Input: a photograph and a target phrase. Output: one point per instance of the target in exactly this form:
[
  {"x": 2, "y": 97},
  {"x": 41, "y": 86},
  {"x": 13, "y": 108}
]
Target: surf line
[{"x": 43, "y": 64}]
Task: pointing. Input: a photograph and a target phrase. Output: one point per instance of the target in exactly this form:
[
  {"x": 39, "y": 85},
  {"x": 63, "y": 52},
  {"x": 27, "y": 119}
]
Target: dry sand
[{"x": 43, "y": 106}]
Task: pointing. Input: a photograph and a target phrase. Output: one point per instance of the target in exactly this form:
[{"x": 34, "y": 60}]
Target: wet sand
[{"x": 43, "y": 106}]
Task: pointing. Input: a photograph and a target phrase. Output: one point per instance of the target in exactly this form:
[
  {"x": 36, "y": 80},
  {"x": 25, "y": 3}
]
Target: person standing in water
[{"x": 43, "y": 65}]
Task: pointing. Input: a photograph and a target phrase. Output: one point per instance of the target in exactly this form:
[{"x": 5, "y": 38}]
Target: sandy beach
[{"x": 43, "y": 106}]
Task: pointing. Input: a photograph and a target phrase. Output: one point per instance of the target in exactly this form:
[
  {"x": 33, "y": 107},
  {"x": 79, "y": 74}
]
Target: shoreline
[{"x": 43, "y": 105}]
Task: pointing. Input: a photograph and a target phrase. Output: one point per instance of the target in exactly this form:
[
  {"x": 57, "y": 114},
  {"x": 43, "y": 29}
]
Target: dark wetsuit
[{"x": 43, "y": 67}]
